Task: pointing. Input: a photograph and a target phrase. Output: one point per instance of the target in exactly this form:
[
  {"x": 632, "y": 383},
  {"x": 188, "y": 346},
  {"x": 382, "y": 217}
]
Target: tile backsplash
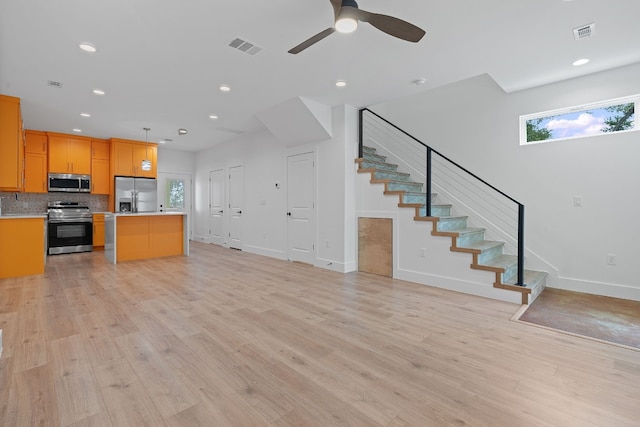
[{"x": 36, "y": 203}]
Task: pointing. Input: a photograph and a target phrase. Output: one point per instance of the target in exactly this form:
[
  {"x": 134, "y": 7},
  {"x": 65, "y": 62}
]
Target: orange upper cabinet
[
  {"x": 11, "y": 144},
  {"x": 35, "y": 168},
  {"x": 127, "y": 157},
  {"x": 100, "y": 166},
  {"x": 69, "y": 154}
]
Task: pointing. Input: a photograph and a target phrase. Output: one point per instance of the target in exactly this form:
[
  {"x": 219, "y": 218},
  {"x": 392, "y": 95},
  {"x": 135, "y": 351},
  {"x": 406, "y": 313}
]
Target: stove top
[{"x": 67, "y": 210}]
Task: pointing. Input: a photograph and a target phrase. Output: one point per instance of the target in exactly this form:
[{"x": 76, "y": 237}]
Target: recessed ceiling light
[
  {"x": 77, "y": 130},
  {"x": 419, "y": 82},
  {"x": 225, "y": 88},
  {"x": 213, "y": 117},
  {"x": 85, "y": 114},
  {"x": 182, "y": 131},
  {"x": 341, "y": 83},
  {"x": 99, "y": 92},
  {"x": 87, "y": 47},
  {"x": 580, "y": 62},
  {"x": 162, "y": 141}
]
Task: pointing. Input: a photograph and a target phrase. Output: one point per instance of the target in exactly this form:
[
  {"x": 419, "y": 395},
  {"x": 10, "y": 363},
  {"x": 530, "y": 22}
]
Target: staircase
[{"x": 486, "y": 255}]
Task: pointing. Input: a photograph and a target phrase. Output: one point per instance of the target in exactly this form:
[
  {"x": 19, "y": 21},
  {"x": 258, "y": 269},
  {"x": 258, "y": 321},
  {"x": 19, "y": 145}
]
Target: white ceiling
[{"x": 161, "y": 61}]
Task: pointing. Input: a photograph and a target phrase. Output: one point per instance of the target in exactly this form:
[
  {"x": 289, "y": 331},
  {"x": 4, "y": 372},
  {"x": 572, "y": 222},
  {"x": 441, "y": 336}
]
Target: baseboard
[
  {"x": 597, "y": 288},
  {"x": 452, "y": 284},
  {"x": 339, "y": 267},
  {"x": 264, "y": 251}
]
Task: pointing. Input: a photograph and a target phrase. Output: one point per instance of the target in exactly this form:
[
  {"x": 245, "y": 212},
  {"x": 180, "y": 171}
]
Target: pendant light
[{"x": 146, "y": 163}]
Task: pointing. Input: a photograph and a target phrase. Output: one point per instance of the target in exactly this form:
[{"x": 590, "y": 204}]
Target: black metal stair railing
[{"x": 430, "y": 155}]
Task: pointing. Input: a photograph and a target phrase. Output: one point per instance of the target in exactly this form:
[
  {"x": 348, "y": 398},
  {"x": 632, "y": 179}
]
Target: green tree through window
[{"x": 174, "y": 193}]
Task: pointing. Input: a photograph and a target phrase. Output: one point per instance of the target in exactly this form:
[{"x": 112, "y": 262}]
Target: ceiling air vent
[
  {"x": 584, "y": 31},
  {"x": 244, "y": 46},
  {"x": 54, "y": 84}
]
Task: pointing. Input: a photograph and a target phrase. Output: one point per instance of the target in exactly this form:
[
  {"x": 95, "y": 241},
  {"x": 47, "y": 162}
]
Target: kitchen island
[
  {"x": 22, "y": 245},
  {"x": 132, "y": 236}
]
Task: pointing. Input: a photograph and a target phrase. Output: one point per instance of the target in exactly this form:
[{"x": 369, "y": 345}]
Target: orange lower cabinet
[
  {"x": 22, "y": 249},
  {"x": 152, "y": 236},
  {"x": 166, "y": 235}
]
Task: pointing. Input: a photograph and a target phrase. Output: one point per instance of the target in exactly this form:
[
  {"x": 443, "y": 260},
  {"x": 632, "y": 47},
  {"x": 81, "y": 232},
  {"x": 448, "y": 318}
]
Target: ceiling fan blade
[
  {"x": 337, "y": 5},
  {"x": 312, "y": 40},
  {"x": 392, "y": 26}
]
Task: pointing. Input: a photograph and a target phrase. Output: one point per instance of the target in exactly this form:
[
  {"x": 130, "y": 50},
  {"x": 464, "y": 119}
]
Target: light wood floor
[{"x": 226, "y": 338}]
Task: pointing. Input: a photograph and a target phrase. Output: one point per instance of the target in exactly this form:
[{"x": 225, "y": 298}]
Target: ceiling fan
[{"x": 347, "y": 15}]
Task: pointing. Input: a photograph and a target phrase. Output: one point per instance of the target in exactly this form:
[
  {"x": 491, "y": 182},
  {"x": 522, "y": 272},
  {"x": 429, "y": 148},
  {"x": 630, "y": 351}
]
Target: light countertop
[
  {"x": 22, "y": 216},
  {"x": 118, "y": 214}
]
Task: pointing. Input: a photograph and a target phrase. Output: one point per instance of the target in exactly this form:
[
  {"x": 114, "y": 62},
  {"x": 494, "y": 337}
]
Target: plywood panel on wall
[{"x": 375, "y": 246}]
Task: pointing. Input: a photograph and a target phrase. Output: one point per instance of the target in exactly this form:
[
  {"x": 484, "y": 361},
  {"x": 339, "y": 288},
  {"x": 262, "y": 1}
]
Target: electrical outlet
[
  {"x": 611, "y": 259},
  {"x": 326, "y": 243},
  {"x": 577, "y": 201},
  {"x": 25, "y": 205},
  {"x": 422, "y": 253}
]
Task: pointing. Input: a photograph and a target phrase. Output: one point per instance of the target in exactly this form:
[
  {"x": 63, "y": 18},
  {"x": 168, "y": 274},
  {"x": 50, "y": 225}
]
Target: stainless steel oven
[{"x": 70, "y": 228}]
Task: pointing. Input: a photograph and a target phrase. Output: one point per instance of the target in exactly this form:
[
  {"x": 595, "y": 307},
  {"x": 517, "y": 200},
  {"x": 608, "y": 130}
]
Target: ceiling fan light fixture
[{"x": 346, "y": 24}]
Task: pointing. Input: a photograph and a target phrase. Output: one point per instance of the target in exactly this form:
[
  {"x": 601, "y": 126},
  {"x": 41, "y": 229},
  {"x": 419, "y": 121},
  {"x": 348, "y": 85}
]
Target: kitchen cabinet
[
  {"x": 22, "y": 246},
  {"x": 98, "y": 230},
  {"x": 142, "y": 236},
  {"x": 69, "y": 154},
  {"x": 100, "y": 177},
  {"x": 127, "y": 157},
  {"x": 35, "y": 158},
  {"x": 11, "y": 145}
]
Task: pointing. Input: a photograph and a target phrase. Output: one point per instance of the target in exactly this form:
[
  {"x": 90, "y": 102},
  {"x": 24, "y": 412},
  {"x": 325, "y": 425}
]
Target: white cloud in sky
[{"x": 584, "y": 125}]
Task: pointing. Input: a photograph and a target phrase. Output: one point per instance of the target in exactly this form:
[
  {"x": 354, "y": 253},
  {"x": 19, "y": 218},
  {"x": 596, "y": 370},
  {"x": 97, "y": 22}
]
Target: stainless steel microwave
[{"x": 69, "y": 183}]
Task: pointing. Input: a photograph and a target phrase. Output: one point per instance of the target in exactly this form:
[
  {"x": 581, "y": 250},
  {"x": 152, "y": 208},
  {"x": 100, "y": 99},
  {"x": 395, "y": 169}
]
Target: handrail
[{"x": 430, "y": 151}]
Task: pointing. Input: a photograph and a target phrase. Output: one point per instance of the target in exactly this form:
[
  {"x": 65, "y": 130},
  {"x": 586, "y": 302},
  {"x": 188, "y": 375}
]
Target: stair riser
[
  {"x": 374, "y": 157},
  {"x": 510, "y": 273},
  {"x": 396, "y": 176},
  {"x": 436, "y": 211},
  {"x": 452, "y": 224},
  {"x": 490, "y": 253},
  {"x": 379, "y": 166},
  {"x": 409, "y": 186},
  {"x": 468, "y": 238},
  {"x": 417, "y": 198},
  {"x": 366, "y": 149}
]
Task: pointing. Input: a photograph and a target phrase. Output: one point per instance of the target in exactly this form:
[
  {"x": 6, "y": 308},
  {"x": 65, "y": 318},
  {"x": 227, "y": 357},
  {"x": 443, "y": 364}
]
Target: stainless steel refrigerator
[{"x": 135, "y": 194}]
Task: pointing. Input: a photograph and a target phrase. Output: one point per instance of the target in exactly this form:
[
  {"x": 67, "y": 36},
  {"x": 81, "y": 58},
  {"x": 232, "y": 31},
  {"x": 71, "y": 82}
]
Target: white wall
[
  {"x": 265, "y": 162},
  {"x": 476, "y": 124},
  {"x": 174, "y": 161}
]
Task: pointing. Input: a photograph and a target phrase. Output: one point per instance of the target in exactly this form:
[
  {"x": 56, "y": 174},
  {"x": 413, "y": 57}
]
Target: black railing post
[
  {"x": 521, "y": 245},
  {"x": 360, "y": 127},
  {"x": 428, "y": 178}
]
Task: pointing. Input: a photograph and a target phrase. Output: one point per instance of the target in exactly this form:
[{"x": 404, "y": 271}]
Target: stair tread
[
  {"x": 469, "y": 230},
  {"x": 383, "y": 171},
  {"x": 364, "y": 159},
  {"x": 482, "y": 245},
  {"x": 532, "y": 278},
  {"x": 453, "y": 217}
]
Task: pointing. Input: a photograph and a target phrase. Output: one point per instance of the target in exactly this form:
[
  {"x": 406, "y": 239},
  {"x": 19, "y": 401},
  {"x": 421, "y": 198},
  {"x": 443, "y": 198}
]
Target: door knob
[
  {"x": 220, "y": 211},
  {"x": 239, "y": 212},
  {"x": 288, "y": 213}
]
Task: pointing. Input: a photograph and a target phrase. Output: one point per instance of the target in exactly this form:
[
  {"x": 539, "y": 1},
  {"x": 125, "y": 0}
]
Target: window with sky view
[{"x": 595, "y": 119}]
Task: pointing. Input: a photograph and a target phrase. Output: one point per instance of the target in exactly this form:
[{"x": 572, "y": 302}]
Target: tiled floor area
[{"x": 609, "y": 319}]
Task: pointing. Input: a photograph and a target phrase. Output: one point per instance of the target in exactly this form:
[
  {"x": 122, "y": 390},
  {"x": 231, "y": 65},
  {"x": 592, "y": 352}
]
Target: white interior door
[
  {"x": 236, "y": 203},
  {"x": 174, "y": 194},
  {"x": 300, "y": 208},
  {"x": 216, "y": 207}
]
